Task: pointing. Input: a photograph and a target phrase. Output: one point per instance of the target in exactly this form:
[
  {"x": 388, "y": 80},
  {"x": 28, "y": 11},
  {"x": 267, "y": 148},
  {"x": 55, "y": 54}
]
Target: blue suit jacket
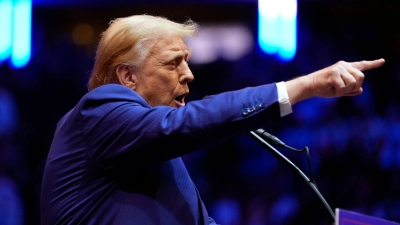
[{"x": 115, "y": 160}]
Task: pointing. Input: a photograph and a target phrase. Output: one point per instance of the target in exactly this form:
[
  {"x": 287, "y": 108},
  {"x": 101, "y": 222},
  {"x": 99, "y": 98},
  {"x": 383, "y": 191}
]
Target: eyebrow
[{"x": 177, "y": 53}]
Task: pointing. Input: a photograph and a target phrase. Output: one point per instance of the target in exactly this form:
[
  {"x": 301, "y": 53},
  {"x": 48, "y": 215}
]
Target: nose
[{"x": 186, "y": 76}]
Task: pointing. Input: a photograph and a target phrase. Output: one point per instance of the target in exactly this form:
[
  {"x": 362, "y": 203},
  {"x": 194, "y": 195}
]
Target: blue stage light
[
  {"x": 5, "y": 29},
  {"x": 268, "y": 21},
  {"x": 21, "y": 50},
  {"x": 15, "y": 30},
  {"x": 277, "y": 28}
]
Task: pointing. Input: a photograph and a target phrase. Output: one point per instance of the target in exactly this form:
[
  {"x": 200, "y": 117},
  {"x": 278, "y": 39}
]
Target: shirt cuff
[{"x": 283, "y": 98}]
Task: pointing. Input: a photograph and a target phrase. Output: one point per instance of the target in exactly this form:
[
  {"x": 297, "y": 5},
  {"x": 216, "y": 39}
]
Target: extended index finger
[{"x": 367, "y": 65}]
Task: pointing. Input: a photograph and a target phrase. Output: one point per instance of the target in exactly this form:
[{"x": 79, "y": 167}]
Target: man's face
[{"x": 165, "y": 73}]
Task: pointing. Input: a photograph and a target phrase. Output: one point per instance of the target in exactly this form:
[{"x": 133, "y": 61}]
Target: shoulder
[{"x": 112, "y": 93}]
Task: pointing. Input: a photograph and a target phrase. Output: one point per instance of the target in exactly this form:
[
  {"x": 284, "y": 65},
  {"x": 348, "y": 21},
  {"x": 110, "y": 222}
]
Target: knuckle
[
  {"x": 334, "y": 70},
  {"x": 364, "y": 63},
  {"x": 359, "y": 76}
]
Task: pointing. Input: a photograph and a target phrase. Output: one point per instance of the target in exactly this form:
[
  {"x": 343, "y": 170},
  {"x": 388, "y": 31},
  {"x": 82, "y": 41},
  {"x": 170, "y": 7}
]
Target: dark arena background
[{"x": 354, "y": 142}]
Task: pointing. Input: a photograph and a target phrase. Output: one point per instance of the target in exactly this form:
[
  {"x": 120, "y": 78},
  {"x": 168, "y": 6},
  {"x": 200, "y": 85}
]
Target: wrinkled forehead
[{"x": 172, "y": 45}]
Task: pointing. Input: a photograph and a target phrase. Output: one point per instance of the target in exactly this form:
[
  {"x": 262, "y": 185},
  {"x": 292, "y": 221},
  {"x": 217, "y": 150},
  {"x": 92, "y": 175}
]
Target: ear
[{"x": 126, "y": 75}]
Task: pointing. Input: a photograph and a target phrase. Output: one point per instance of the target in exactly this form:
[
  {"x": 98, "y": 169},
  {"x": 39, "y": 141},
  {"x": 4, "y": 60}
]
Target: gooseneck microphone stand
[{"x": 260, "y": 135}]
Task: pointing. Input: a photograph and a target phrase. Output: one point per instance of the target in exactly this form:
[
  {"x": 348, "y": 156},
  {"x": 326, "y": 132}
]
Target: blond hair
[{"x": 127, "y": 42}]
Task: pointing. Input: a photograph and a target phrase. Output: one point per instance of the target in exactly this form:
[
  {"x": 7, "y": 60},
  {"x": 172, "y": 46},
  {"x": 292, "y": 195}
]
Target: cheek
[
  {"x": 159, "y": 86},
  {"x": 166, "y": 82},
  {"x": 160, "y": 90}
]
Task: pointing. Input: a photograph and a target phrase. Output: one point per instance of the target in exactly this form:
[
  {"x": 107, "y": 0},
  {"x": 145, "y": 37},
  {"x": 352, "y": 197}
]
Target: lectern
[
  {"x": 346, "y": 217},
  {"x": 341, "y": 216}
]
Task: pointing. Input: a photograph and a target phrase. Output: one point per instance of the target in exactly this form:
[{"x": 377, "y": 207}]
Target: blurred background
[{"x": 354, "y": 142}]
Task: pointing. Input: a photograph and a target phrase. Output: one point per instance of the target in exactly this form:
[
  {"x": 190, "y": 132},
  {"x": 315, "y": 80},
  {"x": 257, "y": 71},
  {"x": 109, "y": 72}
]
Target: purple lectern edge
[{"x": 346, "y": 217}]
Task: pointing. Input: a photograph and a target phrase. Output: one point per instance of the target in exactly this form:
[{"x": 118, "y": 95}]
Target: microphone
[
  {"x": 263, "y": 138},
  {"x": 269, "y": 137}
]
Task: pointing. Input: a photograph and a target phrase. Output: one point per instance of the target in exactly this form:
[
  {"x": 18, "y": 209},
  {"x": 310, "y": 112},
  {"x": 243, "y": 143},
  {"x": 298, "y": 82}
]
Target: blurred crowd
[{"x": 354, "y": 142}]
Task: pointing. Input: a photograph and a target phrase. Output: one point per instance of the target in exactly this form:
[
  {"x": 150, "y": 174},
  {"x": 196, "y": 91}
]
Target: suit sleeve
[{"x": 116, "y": 126}]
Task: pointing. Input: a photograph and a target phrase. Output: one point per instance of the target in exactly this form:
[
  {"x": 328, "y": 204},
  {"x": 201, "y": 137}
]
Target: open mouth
[{"x": 181, "y": 99}]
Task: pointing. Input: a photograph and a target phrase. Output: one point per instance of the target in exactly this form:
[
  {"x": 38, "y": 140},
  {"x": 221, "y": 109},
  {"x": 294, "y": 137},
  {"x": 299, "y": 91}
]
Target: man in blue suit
[{"x": 115, "y": 157}]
